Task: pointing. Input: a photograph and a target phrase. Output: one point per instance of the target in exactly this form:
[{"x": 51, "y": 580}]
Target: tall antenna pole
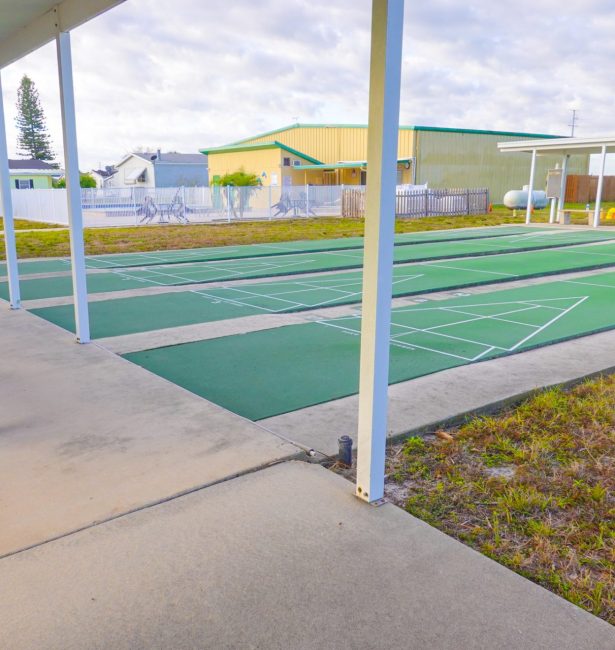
[{"x": 573, "y": 123}]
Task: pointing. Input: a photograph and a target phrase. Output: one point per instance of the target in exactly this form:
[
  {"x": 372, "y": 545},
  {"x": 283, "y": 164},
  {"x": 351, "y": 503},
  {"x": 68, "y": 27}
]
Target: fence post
[
  {"x": 269, "y": 203},
  {"x": 468, "y": 201},
  {"x": 307, "y": 200},
  {"x": 426, "y": 202},
  {"x": 228, "y": 203},
  {"x": 133, "y": 200}
]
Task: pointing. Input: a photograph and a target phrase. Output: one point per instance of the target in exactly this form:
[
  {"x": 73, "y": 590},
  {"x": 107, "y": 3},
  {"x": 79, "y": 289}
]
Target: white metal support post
[
  {"x": 73, "y": 187},
  {"x": 383, "y": 130},
  {"x": 530, "y": 189},
  {"x": 7, "y": 212},
  {"x": 561, "y": 203},
  {"x": 599, "y": 190}
]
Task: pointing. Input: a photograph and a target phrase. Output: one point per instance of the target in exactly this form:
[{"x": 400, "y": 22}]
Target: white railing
[{"x": 181, "y": 205}]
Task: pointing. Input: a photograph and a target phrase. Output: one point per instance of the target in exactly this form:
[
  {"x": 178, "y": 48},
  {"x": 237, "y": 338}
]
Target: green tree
[
  {"x": 32, "y": 139},
  {"x": 239, "y": 199},
  {"x": 85, "y": 180}
]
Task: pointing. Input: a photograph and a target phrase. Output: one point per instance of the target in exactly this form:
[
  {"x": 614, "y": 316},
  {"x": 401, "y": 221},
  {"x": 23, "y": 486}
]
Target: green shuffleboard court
[
  {"x": 124, "y": 260},
  {"x": 272, "y": 266},
  {"x": 266, "y": 373},
  {"x": 147, "y": 313}
]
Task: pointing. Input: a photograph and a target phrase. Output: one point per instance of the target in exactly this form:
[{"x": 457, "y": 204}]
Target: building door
[{"x": 363, "y": 177}]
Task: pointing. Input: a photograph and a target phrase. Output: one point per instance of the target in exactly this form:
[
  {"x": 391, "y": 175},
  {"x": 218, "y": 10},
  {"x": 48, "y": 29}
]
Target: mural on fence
[{"x": 181, "y": 205}]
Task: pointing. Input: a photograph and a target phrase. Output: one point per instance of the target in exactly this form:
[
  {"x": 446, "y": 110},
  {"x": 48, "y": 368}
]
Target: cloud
[{"x": 205, "y": 73}]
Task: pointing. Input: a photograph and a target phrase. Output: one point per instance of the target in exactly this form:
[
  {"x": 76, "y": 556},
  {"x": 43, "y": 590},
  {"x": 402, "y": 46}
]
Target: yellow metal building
[{"x": 334, "y": 154}]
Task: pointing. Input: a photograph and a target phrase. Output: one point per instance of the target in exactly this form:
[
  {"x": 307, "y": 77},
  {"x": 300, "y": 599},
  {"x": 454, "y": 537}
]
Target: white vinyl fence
[
  {"x": 48, "y": 206},
  {"x": 182, "y": 205}
]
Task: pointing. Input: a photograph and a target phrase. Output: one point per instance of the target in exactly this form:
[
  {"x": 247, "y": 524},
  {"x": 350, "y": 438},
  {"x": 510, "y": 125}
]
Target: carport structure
[
  {"x": 565, "y": 147},
  {"x": 26, "y": 26}
]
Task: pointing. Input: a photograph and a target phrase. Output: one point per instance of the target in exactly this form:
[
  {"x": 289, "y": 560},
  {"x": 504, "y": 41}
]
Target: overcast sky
[{"x": 199, "y": 73}]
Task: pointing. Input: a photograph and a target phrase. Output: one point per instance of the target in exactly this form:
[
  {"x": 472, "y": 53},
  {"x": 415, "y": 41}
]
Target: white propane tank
[{"x": 517, "y": 199}]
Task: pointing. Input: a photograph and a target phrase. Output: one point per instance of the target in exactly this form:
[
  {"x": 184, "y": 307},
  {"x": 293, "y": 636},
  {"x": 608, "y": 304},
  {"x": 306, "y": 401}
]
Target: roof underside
[
  {"x": 345, "y": 164},
  {"x": 26, "y": 25},
  {"x": 562, "y": 146}
]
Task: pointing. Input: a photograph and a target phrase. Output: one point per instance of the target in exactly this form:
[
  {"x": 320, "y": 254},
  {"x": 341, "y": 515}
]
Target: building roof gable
[{"x": 273, "y": 144}]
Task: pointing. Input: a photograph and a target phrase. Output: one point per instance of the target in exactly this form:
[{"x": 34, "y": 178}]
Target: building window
[
  {"x": 286, "y": 162},
  {"x": 24, "y": 185}
]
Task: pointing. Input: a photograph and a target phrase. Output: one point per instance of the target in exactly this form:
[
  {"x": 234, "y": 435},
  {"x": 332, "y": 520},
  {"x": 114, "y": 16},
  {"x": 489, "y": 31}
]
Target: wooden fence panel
[{"x": 582, "y": 188}]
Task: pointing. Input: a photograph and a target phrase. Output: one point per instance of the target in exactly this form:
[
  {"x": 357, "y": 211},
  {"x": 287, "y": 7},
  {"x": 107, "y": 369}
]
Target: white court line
[
  {"x": 533, "y": 302},
  {"x": 571, "y": 250},
  {"x": 400, "y": 344},
  {"x": 590, "y": 284},
  {"x": 305, "y": 288},
  {"x": 430, "y": 330},
  {"x": 127, "y": 274},
  {"x": 238, "y": 303},
  {"x": 527, "y": 338},
  {"x": 413, "y": 330},
  {"x": 255, "y": 295},
  {"x": 457, "y": 268}
]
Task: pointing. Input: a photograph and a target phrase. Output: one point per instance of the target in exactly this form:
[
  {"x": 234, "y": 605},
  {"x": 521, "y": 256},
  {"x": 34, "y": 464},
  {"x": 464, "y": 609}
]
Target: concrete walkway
[
  {"x": 282, "y": 558},
  {"x": 135, "y": 515},
  {"x": 86, "y": 435}
]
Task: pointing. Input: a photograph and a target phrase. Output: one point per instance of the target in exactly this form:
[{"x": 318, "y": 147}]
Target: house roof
[
  {"x": 172, "y": 158},
  {"x": 273, "y": 144},
  {"x": 31, "y": 163},
  {"x": 402, "y": 128},
  {"x": 105, "y": 173}
]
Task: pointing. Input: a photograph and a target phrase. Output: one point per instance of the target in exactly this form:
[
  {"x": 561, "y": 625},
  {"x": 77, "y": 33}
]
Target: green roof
[
  {"x": 273, "y": 144},
  {"x": 516, "y": 134}
]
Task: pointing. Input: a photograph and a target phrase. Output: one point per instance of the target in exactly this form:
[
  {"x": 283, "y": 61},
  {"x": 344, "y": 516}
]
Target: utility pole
[{"x": 574, "y": 121}]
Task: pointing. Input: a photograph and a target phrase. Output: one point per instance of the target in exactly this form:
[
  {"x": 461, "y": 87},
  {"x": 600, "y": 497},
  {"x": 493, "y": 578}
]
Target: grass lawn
[
  {"x": 532, "y": 488},
  {"x": 146, "y": 238},
  {"x": 22, "y": 224}
]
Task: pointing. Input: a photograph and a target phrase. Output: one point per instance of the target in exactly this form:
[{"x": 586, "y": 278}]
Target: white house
[
  {"x": 157, "y": 169},
  {"x": 103, "y": 177}
]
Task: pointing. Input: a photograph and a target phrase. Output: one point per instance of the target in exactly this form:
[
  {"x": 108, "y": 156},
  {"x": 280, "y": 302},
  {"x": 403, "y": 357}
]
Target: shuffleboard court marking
[
  {"x": 353, "y": 295},
  {"x": 458, "y": 268},
  {"x": 226, "y": 272},
  {"x": 519, "y": 307},
  {"x": 267, "y": 372}
]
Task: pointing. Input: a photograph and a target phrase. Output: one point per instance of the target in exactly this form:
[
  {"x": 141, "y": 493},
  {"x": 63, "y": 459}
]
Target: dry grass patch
[
  {"x": 531, "y": 488},
  {"x": 149, "y": 238}
]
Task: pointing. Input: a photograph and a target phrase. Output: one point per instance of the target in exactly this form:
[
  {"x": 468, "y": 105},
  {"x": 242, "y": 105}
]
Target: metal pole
[
  {"x": 561, "y": 203},
  {"x": 599, "y": 190},
  {"x": 383, "y": 130},
  {"x": 552, "y": 212},
  {"x": 7, "y": 212},
  {"x": 228, "y": 203},
  {"x": 530, "y": 189},
  {"x": 73, "y": 188}
]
